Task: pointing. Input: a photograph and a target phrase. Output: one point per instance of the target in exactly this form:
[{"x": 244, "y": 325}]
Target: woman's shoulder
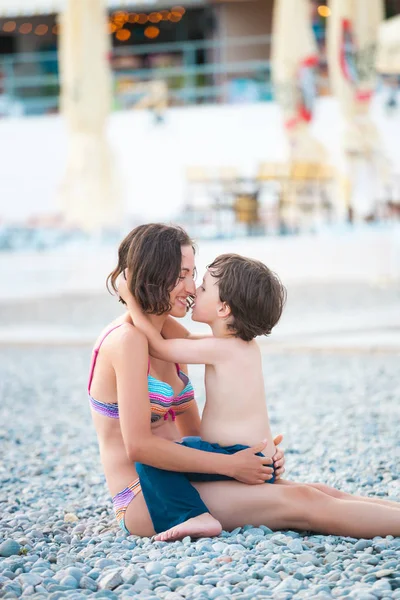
[{"x": 122, "y": 335}]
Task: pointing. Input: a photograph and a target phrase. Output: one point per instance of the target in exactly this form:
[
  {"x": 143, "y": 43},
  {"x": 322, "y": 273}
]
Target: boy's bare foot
[{"x": 202, "y": 526}]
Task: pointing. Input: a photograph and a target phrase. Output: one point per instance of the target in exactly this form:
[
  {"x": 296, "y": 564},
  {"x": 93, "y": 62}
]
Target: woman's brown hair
[{"x": 152, "y": 254}]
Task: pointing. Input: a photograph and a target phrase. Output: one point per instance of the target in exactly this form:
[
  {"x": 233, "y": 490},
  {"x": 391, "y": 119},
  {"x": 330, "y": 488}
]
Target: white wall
[{"x": 151, "y": 159}]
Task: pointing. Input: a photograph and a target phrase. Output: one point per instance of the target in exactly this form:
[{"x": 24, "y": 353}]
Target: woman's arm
[
  {"x": 189, "y": 421},
  {"x": 129, "y": 358}
]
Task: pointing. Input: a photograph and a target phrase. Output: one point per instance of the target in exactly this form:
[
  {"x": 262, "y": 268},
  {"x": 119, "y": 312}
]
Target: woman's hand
[
  {"x": 249, "y": 468},
  {"x": 279, "y": 458}
]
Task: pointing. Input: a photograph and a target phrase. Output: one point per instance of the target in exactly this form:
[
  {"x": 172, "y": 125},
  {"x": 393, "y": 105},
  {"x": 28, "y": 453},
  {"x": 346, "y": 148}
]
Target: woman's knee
[
  {"x": 330, "y": 491},
  {"x": 301, "y": 500}
]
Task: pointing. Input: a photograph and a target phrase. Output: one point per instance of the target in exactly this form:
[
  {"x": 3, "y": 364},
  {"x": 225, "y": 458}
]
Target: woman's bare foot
[{"x": 202, "y": 526}]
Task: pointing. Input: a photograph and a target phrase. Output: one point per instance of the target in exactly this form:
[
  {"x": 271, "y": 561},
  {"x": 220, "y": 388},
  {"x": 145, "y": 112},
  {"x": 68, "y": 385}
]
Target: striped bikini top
[{"x": 163, "y": 402}]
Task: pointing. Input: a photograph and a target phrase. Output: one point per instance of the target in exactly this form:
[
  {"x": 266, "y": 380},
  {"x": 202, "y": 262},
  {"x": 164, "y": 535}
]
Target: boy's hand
[
  {"x": 122, "y": 287},
  {"x": 279, "y": 457},
  {"x": 249, "y": 468}
]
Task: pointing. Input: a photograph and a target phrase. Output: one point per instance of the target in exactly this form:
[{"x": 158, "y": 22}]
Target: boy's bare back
[{"x": 235, "y": 411}]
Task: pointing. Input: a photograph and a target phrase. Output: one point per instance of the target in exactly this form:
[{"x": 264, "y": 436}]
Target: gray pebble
[
  {"x": 9, "y": 548},
  {"x": 153, "y": 568},
  {"x": 142, "y": 584},
  {"x": 362, "y": 544},
  {"x": 69, "y": 582},
  {"x": 247, "y": 563},
  {"x": 295, "y": 546},
  {"x": 384, "y": 573},
  {"x": 169, "y": 572},
  {"x": 29, "y": 579},
  {"x": 110, "y": 580},
  {"x": 87, "y": 583}
]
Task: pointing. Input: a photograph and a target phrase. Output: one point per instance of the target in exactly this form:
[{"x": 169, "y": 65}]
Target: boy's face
[{"x": 207, "y": 300}]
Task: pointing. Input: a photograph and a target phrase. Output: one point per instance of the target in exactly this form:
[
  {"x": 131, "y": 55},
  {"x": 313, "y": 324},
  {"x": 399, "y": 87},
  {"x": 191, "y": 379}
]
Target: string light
[
  {"x": 120, "y": 17},
  {"x": 41, "y": 30},
  {"x": 142, "y": 18},
  {"x": 123, "y": 35},
  {"x": 179, "y": 10},
  {"x": 25, "y": 28},
  {"x": 9, "y": 26},
  {"x": 174, "y": 17},
  {"x": 155, "y": 17},
  {"x": 152, "y": 32},
  {"x": 324, "y": 11}
]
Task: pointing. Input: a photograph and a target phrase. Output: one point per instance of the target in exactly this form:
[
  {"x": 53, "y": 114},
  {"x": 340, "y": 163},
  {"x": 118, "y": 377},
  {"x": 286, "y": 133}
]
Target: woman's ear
[{"x": 224, "y": 310}]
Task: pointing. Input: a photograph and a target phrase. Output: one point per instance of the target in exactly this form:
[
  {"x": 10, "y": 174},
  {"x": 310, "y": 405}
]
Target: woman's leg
[
  {"x": 175, "y": 506},
  {"x": 331, "y": 491},
  {"x": 137, "y": 517},
  {"x": 326, "y": 489},
  {"x": 138, "y": 521},
  {"x": 296, "y": 506}
]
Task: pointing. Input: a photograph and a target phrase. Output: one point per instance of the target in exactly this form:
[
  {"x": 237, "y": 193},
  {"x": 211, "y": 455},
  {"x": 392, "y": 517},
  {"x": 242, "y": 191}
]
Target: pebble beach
[{"x": 340, "y": 416}]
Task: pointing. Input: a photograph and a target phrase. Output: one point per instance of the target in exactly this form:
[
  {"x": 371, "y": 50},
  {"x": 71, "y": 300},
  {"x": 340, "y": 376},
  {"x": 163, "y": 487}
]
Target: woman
[
  {"x": 131, "y": 428},
  {"x": 123, "y": 378}
]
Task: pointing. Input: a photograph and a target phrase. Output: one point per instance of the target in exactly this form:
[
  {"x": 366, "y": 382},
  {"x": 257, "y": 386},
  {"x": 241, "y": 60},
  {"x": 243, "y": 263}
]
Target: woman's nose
[{"x": 190, "y": 286}]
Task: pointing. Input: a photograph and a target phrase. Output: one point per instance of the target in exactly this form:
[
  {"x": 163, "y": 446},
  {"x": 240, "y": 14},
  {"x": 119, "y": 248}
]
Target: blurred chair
[
  {"x": 301, "y": 191},
  {"x": 219, "y": 195}
]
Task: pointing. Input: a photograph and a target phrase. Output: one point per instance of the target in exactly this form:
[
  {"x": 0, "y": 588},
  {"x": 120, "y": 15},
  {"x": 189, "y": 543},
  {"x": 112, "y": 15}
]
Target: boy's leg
[{"x": 170, "y": 497}]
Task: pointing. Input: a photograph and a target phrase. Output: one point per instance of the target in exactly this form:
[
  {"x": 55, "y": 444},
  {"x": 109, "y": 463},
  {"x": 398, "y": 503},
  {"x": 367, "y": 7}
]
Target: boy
[{"x": 239, "y": 298}]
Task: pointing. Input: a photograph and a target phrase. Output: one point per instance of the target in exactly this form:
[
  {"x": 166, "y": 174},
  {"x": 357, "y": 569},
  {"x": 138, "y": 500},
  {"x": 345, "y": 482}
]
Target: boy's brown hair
[
  {"x": 152, "y": 254},
  {"x": 254, "y": 294}
]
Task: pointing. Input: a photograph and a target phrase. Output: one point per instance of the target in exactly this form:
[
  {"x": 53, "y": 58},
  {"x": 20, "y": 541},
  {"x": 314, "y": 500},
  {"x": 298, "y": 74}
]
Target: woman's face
[{"x": 185, "y": 286}]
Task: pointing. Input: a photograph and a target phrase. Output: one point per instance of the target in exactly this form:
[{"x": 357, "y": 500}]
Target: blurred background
[{"x": 265, "y": 127}]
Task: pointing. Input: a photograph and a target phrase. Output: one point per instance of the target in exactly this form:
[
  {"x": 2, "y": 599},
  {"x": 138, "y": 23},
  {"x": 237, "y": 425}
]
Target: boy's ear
[{"x": 224, "y": 310}]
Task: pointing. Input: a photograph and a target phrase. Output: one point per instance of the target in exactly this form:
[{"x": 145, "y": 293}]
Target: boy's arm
[
  {"x": 173, "y": 329},
  {"x": 206, "y": 351},
  {"x": 203, "y": 352}
]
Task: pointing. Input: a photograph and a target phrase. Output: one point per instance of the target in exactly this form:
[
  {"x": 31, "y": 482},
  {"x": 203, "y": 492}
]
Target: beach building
[
  {"x": 211, "y": 56},
  {"x": 205, "y": 50}
]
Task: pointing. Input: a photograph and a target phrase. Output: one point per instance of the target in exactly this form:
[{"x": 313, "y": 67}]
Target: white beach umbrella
[
  {"x": 294, "y": 56},
  {"x": 351, "y": 41},
  {"x": 88, "y": 193},
  {"x": 388, "y": 53}
]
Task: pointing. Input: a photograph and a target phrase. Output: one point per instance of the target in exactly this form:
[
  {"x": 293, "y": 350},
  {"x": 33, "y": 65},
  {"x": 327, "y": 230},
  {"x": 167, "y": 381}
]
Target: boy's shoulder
[{"x": 241, "y": 347}]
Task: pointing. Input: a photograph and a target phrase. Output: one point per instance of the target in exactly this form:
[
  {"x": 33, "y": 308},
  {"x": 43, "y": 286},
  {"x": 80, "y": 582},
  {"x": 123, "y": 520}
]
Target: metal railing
[
  {"x": 29, "y": 82},
  {"x": 198, "y": 71}
]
